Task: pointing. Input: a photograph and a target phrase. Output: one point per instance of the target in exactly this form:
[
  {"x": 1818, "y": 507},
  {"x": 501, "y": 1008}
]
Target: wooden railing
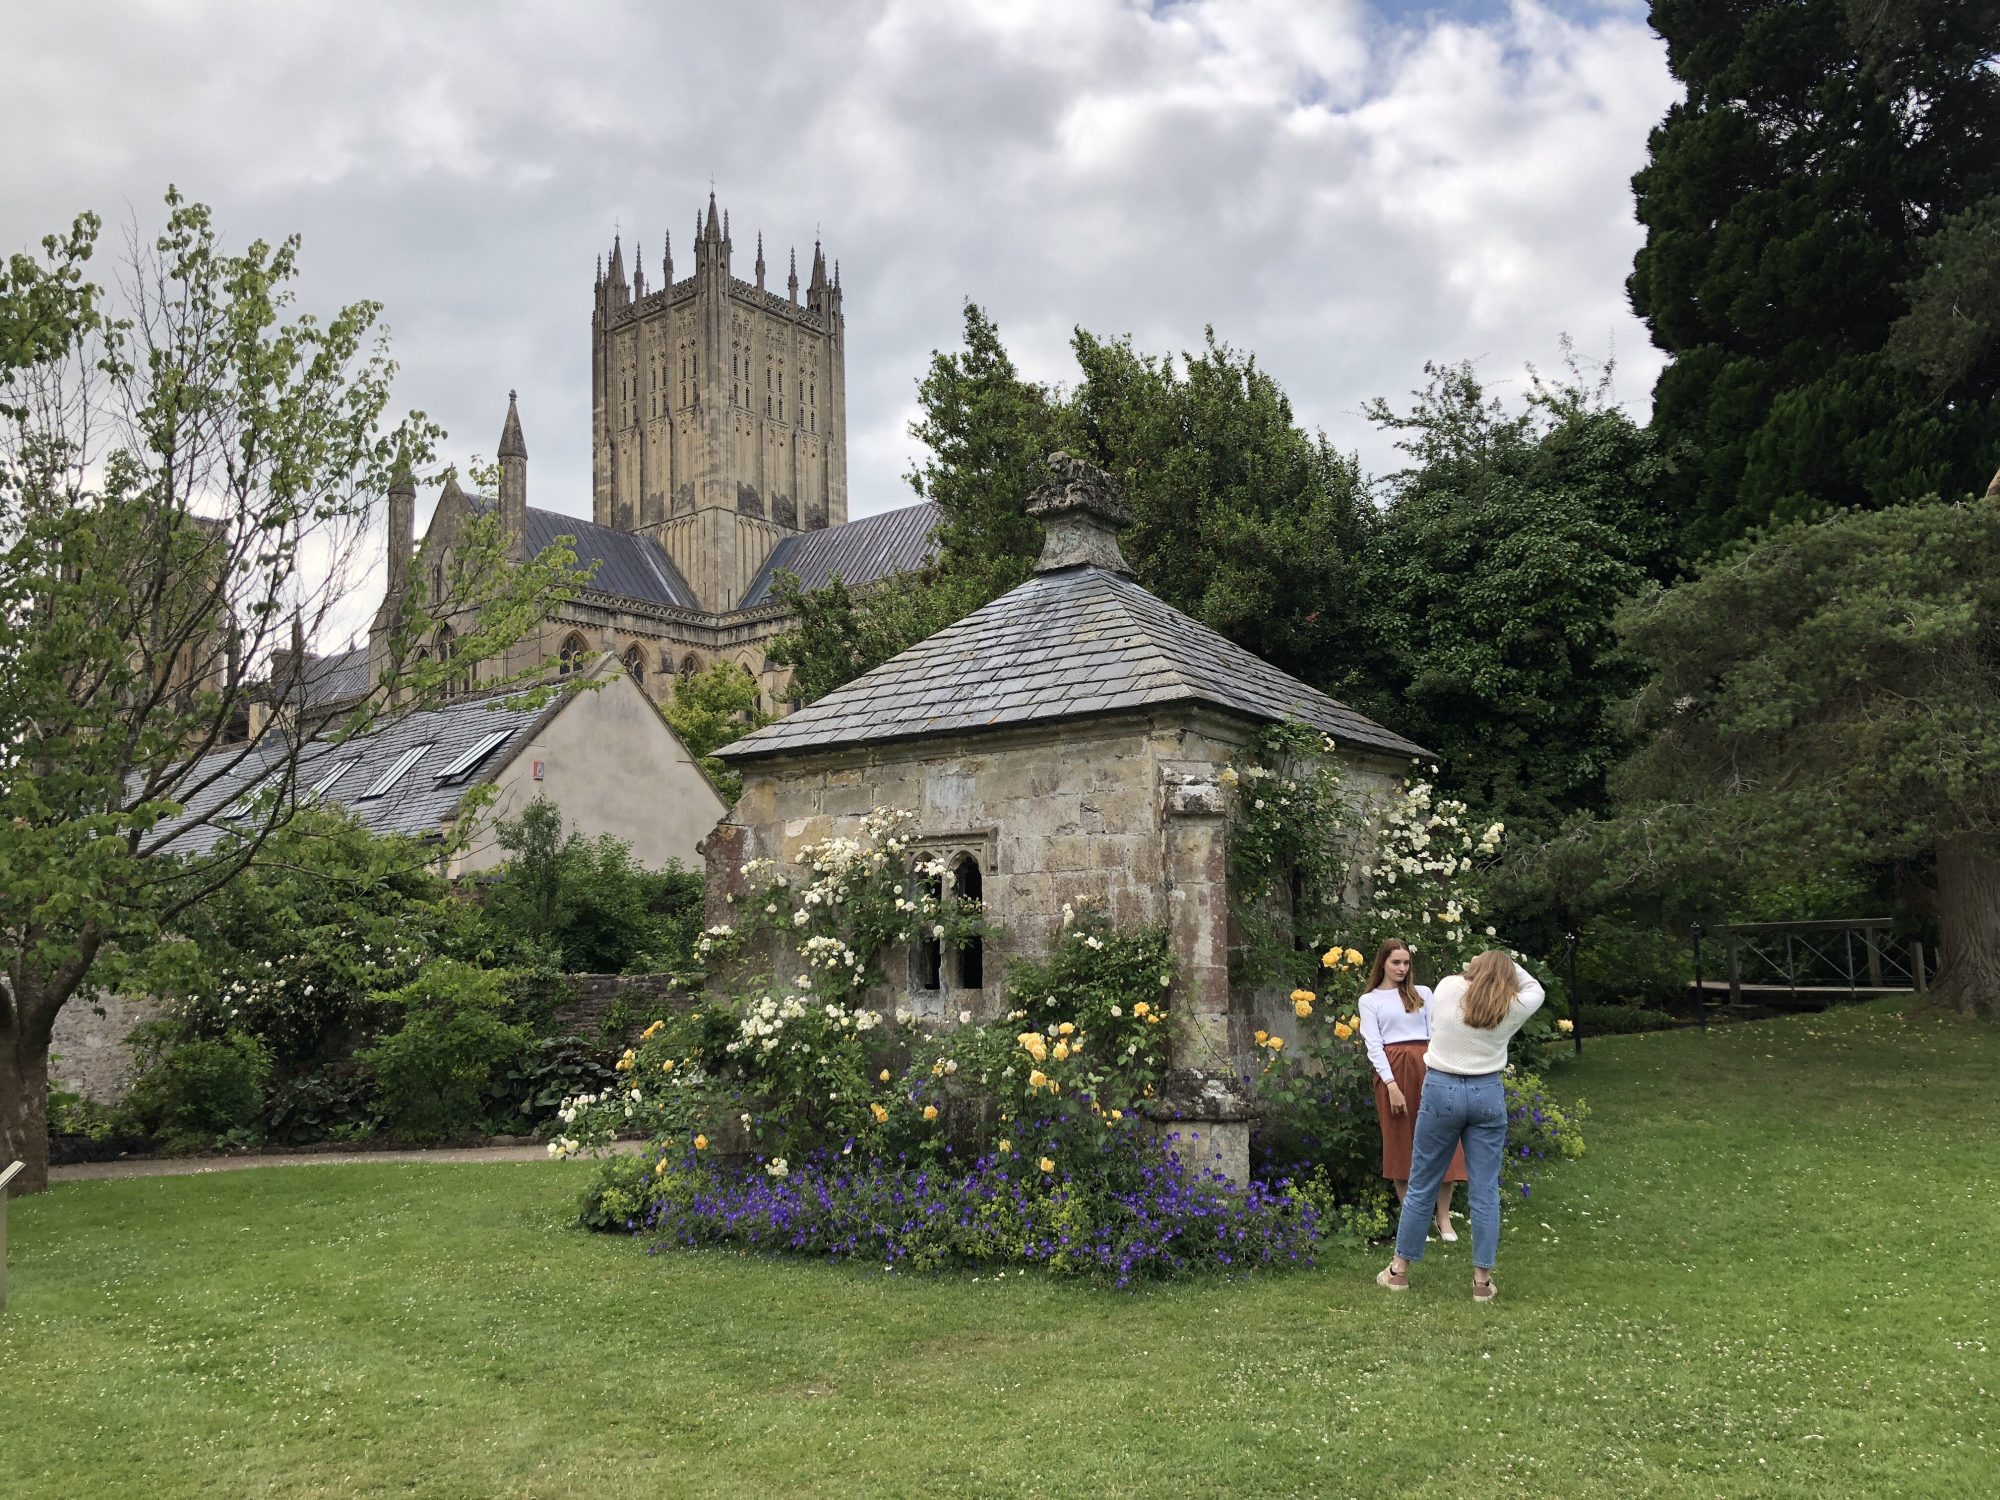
[{"x": 7, "y": 1175}]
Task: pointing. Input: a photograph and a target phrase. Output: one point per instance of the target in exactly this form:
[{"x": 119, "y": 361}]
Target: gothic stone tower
[{"x": 719, "y": 411}]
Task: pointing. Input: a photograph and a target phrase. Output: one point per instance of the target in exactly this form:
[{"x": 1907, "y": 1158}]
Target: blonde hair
[
  {"x": 1378, "y": 974},
  {"x": 1489, "y": 989}
]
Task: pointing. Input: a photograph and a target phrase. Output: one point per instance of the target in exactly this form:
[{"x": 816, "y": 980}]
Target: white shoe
[{"x": 1446, "y": 1232}]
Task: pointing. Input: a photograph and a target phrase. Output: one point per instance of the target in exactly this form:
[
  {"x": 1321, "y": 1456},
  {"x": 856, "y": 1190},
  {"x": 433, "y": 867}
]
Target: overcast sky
[{"x": 1346, "y": 189}]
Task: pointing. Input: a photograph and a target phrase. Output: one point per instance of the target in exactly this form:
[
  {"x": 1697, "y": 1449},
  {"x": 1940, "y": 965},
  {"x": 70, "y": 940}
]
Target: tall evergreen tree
[{"x": 1790, "y": 201}]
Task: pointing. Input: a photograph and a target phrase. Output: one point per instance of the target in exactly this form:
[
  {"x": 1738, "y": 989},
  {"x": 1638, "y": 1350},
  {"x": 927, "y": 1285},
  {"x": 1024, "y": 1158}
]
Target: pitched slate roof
[
  {"x": 631, "y": 567},
  {"x": 336, "y": 678},
  {"x": 863, "y": 551},
  {"x": 420, "y": 799},
  {"x": 1077, "y": 641}
]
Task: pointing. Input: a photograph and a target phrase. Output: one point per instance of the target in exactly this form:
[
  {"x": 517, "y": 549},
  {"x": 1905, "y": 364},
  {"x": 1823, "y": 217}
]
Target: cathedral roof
[
  {"x": 894, "y": 541},
  {"x": 1075, "y": 641},
  {"x": 632, "y": 567}
]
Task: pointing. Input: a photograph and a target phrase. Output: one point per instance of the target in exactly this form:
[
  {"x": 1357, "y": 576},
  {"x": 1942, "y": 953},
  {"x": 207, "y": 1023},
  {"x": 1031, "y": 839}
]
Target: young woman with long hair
[
  {"x": 1396, "y": 1028},
  {"x": 1473, "y": 1016}
]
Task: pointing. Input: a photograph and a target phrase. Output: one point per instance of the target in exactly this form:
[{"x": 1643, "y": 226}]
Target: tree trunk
[
  {"x": 1968, "y": 908},
  {"x": 24, "y": 1104}
]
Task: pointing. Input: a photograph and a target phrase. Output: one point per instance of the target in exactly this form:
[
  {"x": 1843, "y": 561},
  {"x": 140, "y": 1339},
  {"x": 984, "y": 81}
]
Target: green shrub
[
  {"x": 1621, "y": 1020},
  {"x": 435, "y": 1076},
  {"x": 203, "y": 1090}
]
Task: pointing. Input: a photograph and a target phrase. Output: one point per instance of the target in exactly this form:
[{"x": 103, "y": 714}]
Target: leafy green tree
[
  {"x": 1489, "y": 589},
  {"x": 1828, "y": 696},
  {"x": 1790, "y": 202},
  {"x": 710, "y": 709},
  {"x": 184, "y": 487},
  {"x": 585, "y": 902},
  {"x": 1240, "y": 518}
]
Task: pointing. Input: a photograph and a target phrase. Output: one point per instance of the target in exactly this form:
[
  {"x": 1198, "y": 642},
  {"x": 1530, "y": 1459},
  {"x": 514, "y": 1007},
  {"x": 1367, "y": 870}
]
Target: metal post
[
  {"x": 1872, "y": 945},
  {"x": 1917, "y": 962},
  {"x": 1575, "y": 999},
  {"x": 6, "y": 1176},
  {"x": 1791, "y": 970},
  {"x": 1735, "y": 960},
  {"x": 1849, "y": 936},
  {"x": 1700, "y": 995}
]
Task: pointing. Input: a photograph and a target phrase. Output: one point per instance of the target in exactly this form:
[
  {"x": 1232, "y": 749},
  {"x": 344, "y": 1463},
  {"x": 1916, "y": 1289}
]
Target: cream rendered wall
[{"x": 612, "y": 764}]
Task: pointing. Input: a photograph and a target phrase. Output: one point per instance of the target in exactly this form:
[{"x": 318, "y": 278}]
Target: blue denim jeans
[{"x": 1457, "y": 1109}]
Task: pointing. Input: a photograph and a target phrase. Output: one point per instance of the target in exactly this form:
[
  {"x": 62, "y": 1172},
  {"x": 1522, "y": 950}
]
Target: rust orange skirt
[{"x": 1406, "y": 1061}]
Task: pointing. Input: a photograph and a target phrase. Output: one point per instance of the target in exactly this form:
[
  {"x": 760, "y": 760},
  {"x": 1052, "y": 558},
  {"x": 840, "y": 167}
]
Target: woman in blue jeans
[{"x": 1473, "y": 1017}]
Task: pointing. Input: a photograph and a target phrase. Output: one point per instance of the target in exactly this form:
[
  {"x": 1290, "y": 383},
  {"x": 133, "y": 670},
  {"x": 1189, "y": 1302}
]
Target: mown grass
[{"x": 1773, "y": 1275}]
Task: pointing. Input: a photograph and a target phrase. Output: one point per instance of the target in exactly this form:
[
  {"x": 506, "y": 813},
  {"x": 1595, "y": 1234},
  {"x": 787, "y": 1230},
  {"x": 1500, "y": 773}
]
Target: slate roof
[
  {"x": 337, "y": 678},
  {"x": 1067, "y": 643},
  {"x": 417, "y": 803},
  {"x": 631, "y": 567},
  {"x": 863, "y": 551}
]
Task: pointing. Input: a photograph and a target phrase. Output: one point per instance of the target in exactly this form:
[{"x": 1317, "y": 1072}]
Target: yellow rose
[
  {"x": 1066, "y": 1028},
  {"x": 1117, "y": 1114},
  {"x": 1152, "y": 1020},
  {"x": 881, "y": 1114},
  {"x": 1301, "y": 1008},
  {"x": 1354, "y": 957},
  {"x": 1046, "y": 1164},
  {"x": 930, "y": 1111},
  {"x": 1140, "y": 1009},
  {"x": 1330, "y": 958},
  {"x": 1277, "y": 1044},
  {"x": 1261, "y": 1037},
  {"x": 625, "y": 1062},
  {"x": 1565, "y": 1025},
  {"x": 1062, "y": 1050},
  {"x": 1340, "y": 1030},
  {"x": 701, "y": 1143},
  {"x": 1037, "y": 1078},
  {"x": 1303, "y": 997},
  {"x": 885, "y": 1075},
  {"x": 660, "y": 1167},
  {"x": 1006, "y": 1145}
]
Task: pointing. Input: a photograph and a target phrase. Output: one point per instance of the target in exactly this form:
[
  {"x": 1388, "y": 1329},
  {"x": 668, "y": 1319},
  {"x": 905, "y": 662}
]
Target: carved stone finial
[{"x": 1082, "y": 514}]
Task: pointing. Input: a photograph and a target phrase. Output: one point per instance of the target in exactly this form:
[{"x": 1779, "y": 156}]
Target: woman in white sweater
[
  {"x": 1473, "y": 1016},
  {"x": 1396, "y": 1028}
]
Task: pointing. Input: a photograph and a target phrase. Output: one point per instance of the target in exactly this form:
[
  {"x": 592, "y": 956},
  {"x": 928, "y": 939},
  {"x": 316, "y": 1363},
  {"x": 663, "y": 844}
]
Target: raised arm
[{"x": 1528, "y": 993}]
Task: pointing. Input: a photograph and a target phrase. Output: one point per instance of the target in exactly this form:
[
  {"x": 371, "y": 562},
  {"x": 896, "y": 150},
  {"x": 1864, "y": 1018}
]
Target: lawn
[{"x": 1774, "y": 1274}]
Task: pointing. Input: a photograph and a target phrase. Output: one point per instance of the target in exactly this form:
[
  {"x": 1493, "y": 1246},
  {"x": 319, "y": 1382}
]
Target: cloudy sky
[{"x": 1347, "y": 189}]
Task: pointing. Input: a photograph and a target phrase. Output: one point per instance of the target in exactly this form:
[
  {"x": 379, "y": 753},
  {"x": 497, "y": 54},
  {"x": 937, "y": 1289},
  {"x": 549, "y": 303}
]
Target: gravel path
[{"x": 187, "y": 1166}]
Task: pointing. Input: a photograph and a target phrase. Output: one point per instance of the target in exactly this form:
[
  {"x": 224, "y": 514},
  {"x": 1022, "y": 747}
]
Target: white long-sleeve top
[
  {"x": 1383, "y": 1020},
  {"x": 1458, "y": 1048}
]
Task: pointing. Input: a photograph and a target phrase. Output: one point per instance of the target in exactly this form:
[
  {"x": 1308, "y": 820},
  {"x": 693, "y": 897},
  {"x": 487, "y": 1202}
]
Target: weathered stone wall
[
  {"x": 90, "y": 1055},
  {"x": 1055, "y": 815},
  {"x": 595, "y": 1000}
]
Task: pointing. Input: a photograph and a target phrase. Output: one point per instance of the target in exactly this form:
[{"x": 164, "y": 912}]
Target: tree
[
  {"x": 1829, "y": 695},
  {"x": 1790, "y": 202},
  {"x": 1489, "y": 589},
  {"x": 585, "y": 903},
  {"x": 710, "y": 709},
  {"x": 183, "y": 488}
]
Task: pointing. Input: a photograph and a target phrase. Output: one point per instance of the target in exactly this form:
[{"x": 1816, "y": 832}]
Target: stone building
[
  {"x": 719, "y": 457},
  {"x": 1063, "y": 744}
]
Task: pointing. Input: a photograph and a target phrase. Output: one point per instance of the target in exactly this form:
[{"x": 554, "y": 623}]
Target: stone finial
[
  {"x": 1082, "y": 516},
  {"x": 512, "y": 444}
]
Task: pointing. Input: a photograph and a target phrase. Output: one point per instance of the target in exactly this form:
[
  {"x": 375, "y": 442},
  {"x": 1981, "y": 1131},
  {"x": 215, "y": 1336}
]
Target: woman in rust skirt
[{"x": 1395, "y": 1026}]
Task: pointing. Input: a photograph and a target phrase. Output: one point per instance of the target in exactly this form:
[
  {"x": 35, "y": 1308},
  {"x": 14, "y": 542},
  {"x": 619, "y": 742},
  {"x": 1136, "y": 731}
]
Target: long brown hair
[
  {"x": 1490, "y": 988},
  {"x": 1378, "y": 974}
]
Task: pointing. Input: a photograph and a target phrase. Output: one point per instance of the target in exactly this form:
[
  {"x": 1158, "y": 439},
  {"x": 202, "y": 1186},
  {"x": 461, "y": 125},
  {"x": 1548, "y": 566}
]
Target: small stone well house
[{"x": 1062, "y": 744}]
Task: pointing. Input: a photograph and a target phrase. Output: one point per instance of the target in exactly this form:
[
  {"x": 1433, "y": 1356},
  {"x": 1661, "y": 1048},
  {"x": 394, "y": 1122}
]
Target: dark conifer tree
[{"x": 1793, "y": 203}]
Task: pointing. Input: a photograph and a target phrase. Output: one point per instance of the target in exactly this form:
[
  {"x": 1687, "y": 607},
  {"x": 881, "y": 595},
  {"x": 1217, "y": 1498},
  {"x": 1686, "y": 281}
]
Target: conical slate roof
[{"x": 1070, "y": 642}]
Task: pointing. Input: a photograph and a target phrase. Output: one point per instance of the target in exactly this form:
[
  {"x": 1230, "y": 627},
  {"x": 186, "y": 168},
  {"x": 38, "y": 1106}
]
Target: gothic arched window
[
  {"x": 635, "y": 663},
  {"x": 970, "y": 885},
  {"x": 690, "y": 665},
  {"x": 575, "y": 652},
  {"x": 447, "y": 653},
  {"x": 927, "y": 952}
]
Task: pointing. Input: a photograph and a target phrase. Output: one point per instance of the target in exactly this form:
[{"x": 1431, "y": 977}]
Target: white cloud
[{"x": 1346, "y": 190}]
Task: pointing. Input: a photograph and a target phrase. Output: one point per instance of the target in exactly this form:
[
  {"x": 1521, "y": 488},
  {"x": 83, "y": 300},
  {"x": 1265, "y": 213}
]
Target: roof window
[
  {"x": 467, "y": 763},
  {"x": 396, "y": 772}
]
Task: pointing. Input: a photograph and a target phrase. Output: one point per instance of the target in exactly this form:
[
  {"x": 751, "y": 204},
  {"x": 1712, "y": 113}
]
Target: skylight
[
  {"x": 396, "y": 772},
  {"x": 326, "y": 783},
  {"x": 464, "y": 766}
]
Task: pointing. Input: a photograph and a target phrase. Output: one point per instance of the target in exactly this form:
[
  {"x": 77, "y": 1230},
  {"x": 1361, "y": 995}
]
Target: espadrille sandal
[
  {"x": 1394, "y": 1282},
  {"x": 1484, "y": 1291}
]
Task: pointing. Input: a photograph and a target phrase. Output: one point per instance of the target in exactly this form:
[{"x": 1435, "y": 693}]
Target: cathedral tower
[{"x": 719, "y": 410}]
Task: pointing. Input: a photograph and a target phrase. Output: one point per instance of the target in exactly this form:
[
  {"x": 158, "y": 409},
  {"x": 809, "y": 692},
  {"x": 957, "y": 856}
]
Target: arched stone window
[
  {"x": 926, "y": 953},
  {"x": 635, "y": 663},
  {"x": 968, "y": 883},
  {"x": 690, "y": 665},
  {"x": 447, "y": 653},
  {"x": 437, "y": 583},
  {"x": 574, "y": 656}
]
